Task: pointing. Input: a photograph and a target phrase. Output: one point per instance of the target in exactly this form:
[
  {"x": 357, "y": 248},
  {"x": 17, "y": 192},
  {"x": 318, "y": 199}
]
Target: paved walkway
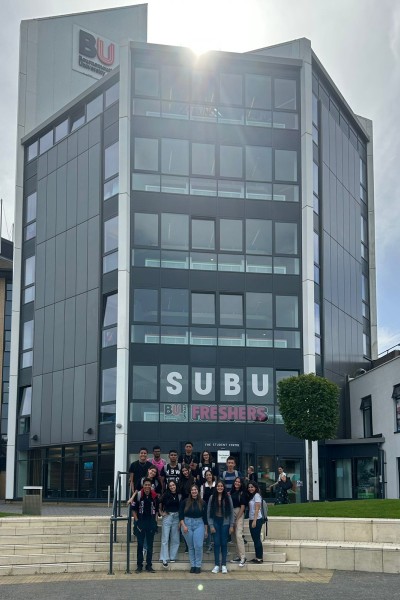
[
  {"x": 62, "y": 509},
  {"x": 307, "y": 585}
]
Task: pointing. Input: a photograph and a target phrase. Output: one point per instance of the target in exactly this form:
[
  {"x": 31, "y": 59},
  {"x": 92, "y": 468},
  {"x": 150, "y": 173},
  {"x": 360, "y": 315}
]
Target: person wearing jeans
[
  {"x": 255, "y": 520},
  {"x": 145, "y": 511},
  {"x": 239, "y": 501},
  {"x": 221, "y": 518},
  {"x": 169, "y": 510},
  {"x": 192, "y": 519}
]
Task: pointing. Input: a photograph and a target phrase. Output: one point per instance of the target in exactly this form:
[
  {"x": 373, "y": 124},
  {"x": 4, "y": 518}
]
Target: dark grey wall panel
[
  {"x": 52, "y": 160},
  {"x": 70, "y": 266},
  {"x": 72, "y": 192},
  {"x": 92, "y": 377},
  {"x": 92, "y": 326},
  {"x": 72, "y": 146},
  {"x": 36, "y": 407},
  {"x": 59, "y": 292},
  {"x": 51, "y": 205},
  {"x": 40, "y": 275},
  {"x": 47, "y": 397},
  {"x": 69, "y": 336},
  {"x": 93, "y": 257},
  {"x": 94, "y": 198},
  {"x": 56, "y": 412},
  {"x": 50, "y": 271},
  {"x": 38, "y": 337},
  {"x": 62, "y": 149},
  {"x": 95, "y": 131},
  {"x": 82, "y": 258},
  {"x": 83, "y": 139},
  {"x": 42, "y": 166},
  {"x": 68, "y": 404},
  {"x": 79, "y": 404},
  {"x": 80, "y": 329},
  {"x": 41, "y": 211},
  {"x": 48, "y": 340},
  {"x": 61, "y": 216},
  {"x": 341, "y": 277},
  {"x": 83, "y": 188},
  {"x": 59, "y": 317}
]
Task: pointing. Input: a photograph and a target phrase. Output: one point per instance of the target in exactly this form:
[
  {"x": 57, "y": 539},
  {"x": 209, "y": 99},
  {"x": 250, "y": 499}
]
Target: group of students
[{"x": 195, "y": 499}]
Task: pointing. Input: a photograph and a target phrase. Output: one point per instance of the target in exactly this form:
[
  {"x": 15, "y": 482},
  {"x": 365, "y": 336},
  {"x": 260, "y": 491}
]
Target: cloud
[{"x": 387, "y": 338}]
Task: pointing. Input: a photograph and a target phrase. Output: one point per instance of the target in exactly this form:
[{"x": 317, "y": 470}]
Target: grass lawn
[
  {"x": 8, "y": 515},
  {"x": 361, "y": 509}
]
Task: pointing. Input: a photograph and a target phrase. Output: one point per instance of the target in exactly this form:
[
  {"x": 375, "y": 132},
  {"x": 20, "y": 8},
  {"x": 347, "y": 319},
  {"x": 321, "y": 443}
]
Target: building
[
  {"x": 194, "y": 229},
  {"x": 6, "y": 278}
]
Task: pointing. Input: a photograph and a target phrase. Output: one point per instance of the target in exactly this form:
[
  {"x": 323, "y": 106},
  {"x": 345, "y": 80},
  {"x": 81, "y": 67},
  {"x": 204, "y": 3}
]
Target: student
[
  {"x": 239, "y": 501},
  {"x": 172, "y": 470},
  {"x": 230, "y": 474},
  {"x": 169, "y": 510},
  {"x": 251, "y": 474},
  {"x": 152, "y": 474},
  {"x": 190, "y": 458},
  {"x": 220, "y": 518},
  {"x": 158, "y": 462},
  {"x": 205, "y": 465},
  {"x": 208, "y": 486},
  {"x": 186, "y": 481},
  {"x": 255, "y": 520},
  {"x": 139, "y": 469},
  {"x": 280, "y": 473},
  {"x": 145, "y": 511},
  {"x": 192, "y": 520}
]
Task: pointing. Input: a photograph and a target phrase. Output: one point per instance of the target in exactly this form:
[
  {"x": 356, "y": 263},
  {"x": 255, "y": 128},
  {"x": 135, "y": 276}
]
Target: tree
[{"x": 309, "y": 406}]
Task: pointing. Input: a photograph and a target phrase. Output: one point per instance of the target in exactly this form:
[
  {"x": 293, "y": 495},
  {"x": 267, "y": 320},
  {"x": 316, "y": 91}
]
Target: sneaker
[
  {"x": 172, "y": 560},
  {"x": 192, "y": 570},
  {"x": 242, "y": 562},
  {"x": 186, "y": 550},
  {"x": 256, "y": 561},
  {"x": 139, "y": 570},
  {"x": 224, "y": 569},
  {"x": 165, "y": 564},
  {"x": 245, "y": 541},
  {"x": 198, "y": 570},
  {"x": 215, "y": 569},
  {"x": 150, "y": 570},
  {"x": 235, "y": 560}
]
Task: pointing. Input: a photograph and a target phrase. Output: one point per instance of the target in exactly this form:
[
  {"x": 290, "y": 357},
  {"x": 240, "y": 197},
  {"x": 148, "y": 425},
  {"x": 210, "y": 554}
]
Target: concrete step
[{"x": 79, "y": 567}]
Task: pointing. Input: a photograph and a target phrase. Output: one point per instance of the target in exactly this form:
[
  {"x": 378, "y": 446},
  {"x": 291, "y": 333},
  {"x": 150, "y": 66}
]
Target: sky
[{"x": 358, "y": 42}]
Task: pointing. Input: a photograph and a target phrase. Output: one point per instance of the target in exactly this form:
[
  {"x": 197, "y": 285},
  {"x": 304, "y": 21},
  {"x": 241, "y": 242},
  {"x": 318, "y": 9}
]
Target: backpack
[{"x": 264, "y": 510}]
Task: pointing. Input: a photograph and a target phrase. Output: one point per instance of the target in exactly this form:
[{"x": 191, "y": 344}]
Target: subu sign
[{"x": 93, "y": 54}]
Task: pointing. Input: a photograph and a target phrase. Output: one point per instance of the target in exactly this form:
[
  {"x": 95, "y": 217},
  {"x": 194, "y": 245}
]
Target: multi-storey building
[{"x": 191, "y": 230}]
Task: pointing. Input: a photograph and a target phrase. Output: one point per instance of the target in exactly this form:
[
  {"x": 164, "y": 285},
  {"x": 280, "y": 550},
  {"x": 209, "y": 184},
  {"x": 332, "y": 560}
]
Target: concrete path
[
  {"x": 63, "y": 509},
  {"x": 307, "y": 585}
]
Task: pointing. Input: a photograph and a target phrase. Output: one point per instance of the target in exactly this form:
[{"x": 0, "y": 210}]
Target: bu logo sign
[{"x": 93, "y": 47}]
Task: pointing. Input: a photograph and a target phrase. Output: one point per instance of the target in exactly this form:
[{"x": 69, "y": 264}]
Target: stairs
[{"x": 41, "y": 545}]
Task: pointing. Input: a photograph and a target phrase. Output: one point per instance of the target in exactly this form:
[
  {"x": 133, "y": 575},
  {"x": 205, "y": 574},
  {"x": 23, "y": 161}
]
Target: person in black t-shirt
[
  {"x": 145, "y": 512},
  {"x": 206, "y": 464},
  {"x": 190, "y": 458},
  {"x": 139, "y": 469},
  {"x": 172, "y": 470}
]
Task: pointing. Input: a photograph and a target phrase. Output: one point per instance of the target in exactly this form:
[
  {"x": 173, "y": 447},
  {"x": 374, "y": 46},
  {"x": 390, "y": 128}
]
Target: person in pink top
[{"x": 159, "y": 463}]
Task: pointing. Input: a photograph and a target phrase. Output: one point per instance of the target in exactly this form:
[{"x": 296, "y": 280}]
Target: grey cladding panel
[
  {"x": 83, "y": 188},
  {"x": 61, "y": 218},
  {"x": 339, "y": 208},
  {"x": 59, "y": 317},
  {"x": 326, "y": 270},
  {"x": 80, "y": 329},
  {"x": 59, "y": 292},
  {"x": 50, "y": 271},
  {"x": 339, "y": 153},
  {"x": 95, "y": 132},
  {"x": 47, "y": 397},
  {"x": 36, "y": 407},
  {"x": 56, "y": 412},
  {"x": 42, "y": 166},
  {"x": 72, "y": 192},
  {"x": 72, "y": 146},
  {"x": 40, "y": 272},
  {"x": 92, "y": 326},
  {"x": 91, "y": 400},
  {"x": 83, "y": 139},
  {"x": 52, "y": 160},
  {"x": 69, "y": 337},
  {"x": 94, "y": 198},
  {"x": 48, "y": 340},
  {"x": 79, "y": 403},
  {"x": 41, "y": 211},
  {"x": 38, "y": 337},
  {"x": 70, "y": 267},
  {"x": 332, "y": 203},
  {"x": 332, "y": 144},
  {"x": 341, "y": 277},
  {"x": 82, "y": 258},
  {"x": 68, "y": 405},
  {"x": 62, "y": 150},
  {"x": 345, "y": 162},
  {"x": 93, "y": 253}
]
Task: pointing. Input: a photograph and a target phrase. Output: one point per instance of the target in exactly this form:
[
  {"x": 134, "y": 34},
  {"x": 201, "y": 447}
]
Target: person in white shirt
[{"x": 255, "y": 520}]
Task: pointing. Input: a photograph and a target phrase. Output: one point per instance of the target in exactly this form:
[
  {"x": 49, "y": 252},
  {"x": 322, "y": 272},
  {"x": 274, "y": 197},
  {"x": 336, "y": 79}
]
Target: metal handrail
[{"x": 115, "y": 518}]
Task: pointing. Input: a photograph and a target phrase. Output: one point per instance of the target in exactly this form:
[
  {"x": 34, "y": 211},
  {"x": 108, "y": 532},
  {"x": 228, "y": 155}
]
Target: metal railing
[{"x": 115, "y": 518}]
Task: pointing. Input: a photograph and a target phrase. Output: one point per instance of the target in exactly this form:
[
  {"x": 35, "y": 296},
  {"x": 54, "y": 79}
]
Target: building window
[
  {"x": 396, "y": 398},
  {"x": 111, "y": 170},
  {"x": 287, "y": 311},
  {"x": 258, "y": 91},
  {"x": 231, "y": 161},
  {"x": 174, "y": 157},
  {"x": 110, "y": 258},
  {"x": 144, "y": 383},
  {"x": 366, "y": 408},
  {"x": 108, "y": 395},
  {"x": 286, "y": 238},
  {"x": 147, "y": 82},
  {"x": 203, "y": 234},
  {"x": 259, "y": 310},
  {"x": 110, "y": 319},
  {"x": 203, "y": 309},
  {"x": 145, "y": 306},
  {"x": 30, "y": 216},
  {"x": 29, "y": 280},
  {"x": 203, "y": 159},
  {"x": 286, "y": 165},
  {"x": 231, "y": 309},
  {"x": 27, "y": 344},
  {"x": 285, "y": 94},
  {"x": 145, "y": 231},
  {"x": 258, "y": 163},
  {"x": 174, "y": 306},
  {"x": 231, "y": 235},
  {"x": 175, "y": 231},
  {"x": 25, "y": 410}
]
